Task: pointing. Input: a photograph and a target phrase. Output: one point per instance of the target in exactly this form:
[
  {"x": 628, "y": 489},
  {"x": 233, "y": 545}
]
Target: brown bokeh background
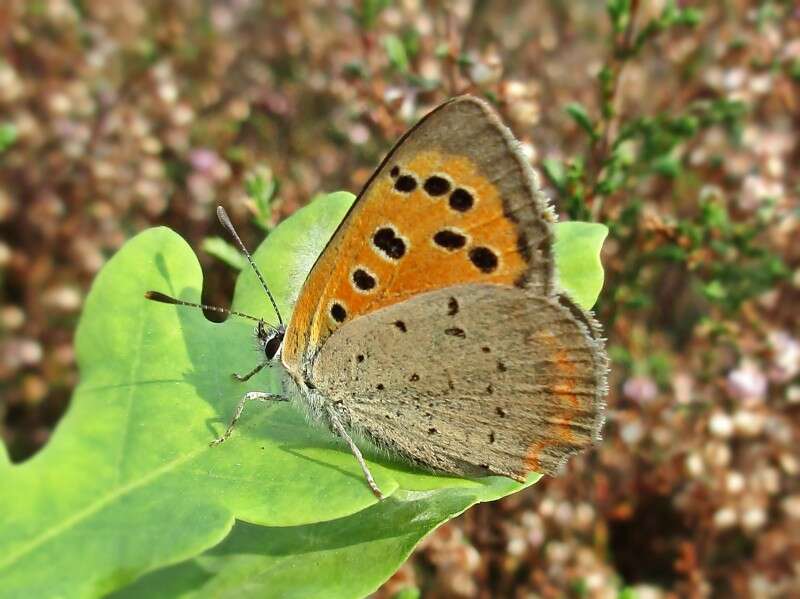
[{"x": 115, "y": 116}]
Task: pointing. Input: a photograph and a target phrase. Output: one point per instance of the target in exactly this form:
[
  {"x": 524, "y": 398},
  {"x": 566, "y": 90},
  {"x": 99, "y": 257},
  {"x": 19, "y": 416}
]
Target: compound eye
[{"x": 272, "y": 346}]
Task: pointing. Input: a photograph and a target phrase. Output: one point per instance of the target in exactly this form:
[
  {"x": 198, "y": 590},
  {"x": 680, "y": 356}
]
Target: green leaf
[
  {"x": 222, "y": 250},
  {"x": 261, "y": 186},
  {"x": 577, "y": 251},
  {"x": 350, "y": 556},
  {"x": 370, "y": 10},
  {"x": 396, "y": 51},
  {"x": 581, "y": 117},
  {"x": 8, "y": 135},
  {"x": 619, "y": 12},
  {"x": 555, "y": 171},
  {"x": 128, "y": 477}
]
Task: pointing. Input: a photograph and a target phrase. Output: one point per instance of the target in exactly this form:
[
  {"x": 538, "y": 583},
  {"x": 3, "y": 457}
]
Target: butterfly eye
[{"x": 273, "y": 345}]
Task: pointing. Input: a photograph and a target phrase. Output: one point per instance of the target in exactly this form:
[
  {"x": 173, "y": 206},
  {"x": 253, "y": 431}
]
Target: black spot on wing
[
  {"x": 461, "y": 200},
  {"x": 452, "y": 306},
  {"x": 436, "y": 185},
  {"x": 388, "y": 243},
  {"x": 338, "y": 313},
  {"x": 522, "y": 246},
  {"x": 449, "y": 239},
  {"x": 363, "y": 280},
  {"x": 405, "y": 183},
  {"x": 484, "y": 259}
]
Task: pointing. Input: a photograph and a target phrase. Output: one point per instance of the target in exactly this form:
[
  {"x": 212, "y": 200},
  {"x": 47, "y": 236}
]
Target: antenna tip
[
  {"x": 223, "y": 217},
  {"x": 157, "y": 296}
]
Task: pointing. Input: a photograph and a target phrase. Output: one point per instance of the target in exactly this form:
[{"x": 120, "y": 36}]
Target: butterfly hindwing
[{"x": 469, "y": 379}]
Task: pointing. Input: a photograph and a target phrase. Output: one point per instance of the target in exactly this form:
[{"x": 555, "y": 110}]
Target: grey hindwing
[{"x": 470, "y": 379}]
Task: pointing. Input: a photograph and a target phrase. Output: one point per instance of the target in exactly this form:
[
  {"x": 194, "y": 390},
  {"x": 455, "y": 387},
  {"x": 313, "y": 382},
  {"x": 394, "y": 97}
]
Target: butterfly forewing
[{"x": 454, "y": 202}]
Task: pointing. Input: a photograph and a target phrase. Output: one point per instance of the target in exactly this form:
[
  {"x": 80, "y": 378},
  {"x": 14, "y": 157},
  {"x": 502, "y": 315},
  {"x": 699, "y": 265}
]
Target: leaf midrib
[{"x": 95, "y": 507}]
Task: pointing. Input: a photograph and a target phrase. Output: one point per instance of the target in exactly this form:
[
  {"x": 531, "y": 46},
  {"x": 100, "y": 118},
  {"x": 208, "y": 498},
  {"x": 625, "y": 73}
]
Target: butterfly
[{"x": 432, "y": 325}]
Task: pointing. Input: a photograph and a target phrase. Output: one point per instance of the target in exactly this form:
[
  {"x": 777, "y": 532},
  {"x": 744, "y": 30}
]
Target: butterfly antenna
[
  {"x": 157, "y": 296},
  {"x": 226, "y": 222}
]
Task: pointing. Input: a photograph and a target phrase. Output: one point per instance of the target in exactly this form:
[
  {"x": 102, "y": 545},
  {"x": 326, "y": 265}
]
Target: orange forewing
[
  {"x": 417, "y": 217},
  {"x": 463, "y": 143}
]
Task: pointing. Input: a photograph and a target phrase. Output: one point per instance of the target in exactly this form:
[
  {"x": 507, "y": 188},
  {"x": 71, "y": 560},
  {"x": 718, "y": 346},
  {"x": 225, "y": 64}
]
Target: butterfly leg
[
  {"x": 339, "y": 429},
  {"x": 252, "y": 396},
  {"x": 246, "y": 377}
]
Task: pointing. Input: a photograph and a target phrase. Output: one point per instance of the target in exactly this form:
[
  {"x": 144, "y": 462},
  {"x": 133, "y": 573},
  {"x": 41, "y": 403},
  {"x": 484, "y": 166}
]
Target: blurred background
[{"x": 674, "y": 123}]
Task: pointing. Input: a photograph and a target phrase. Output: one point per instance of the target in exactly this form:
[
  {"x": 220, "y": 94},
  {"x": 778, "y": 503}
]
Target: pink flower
[
  {"x": 204, "y": 160},
  {"x": 785, "y": 356},
  {"x": 640, "y": 388},
  {"x": 747, "y": 382}
]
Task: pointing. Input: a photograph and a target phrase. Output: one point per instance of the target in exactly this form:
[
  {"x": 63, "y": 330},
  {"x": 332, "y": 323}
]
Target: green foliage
[
  {"x": 578, "y": 246},
  {"x": 619, "y": 13},
  {"x": 736, "y": 266},
  {"x": 128, "y": 488},
  {"x": 581, "y": 117},
  {"x": 671, "y": 16},
  {"x": 8, "y": 135},
  {"x": 262, "y": 188},
  {"x": 725, "y": 259},
  {"x": 396, "y": 51},
  {"x": 369, "y": 12},
  {"x": 222, "y": 250}
]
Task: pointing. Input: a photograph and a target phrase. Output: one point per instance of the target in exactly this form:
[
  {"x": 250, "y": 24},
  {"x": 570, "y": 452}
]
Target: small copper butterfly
[{"x": 432, "y": 325}]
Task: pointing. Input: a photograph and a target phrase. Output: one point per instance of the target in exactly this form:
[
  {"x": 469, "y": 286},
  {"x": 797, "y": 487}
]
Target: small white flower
[{"x": 747, "y": 382}]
